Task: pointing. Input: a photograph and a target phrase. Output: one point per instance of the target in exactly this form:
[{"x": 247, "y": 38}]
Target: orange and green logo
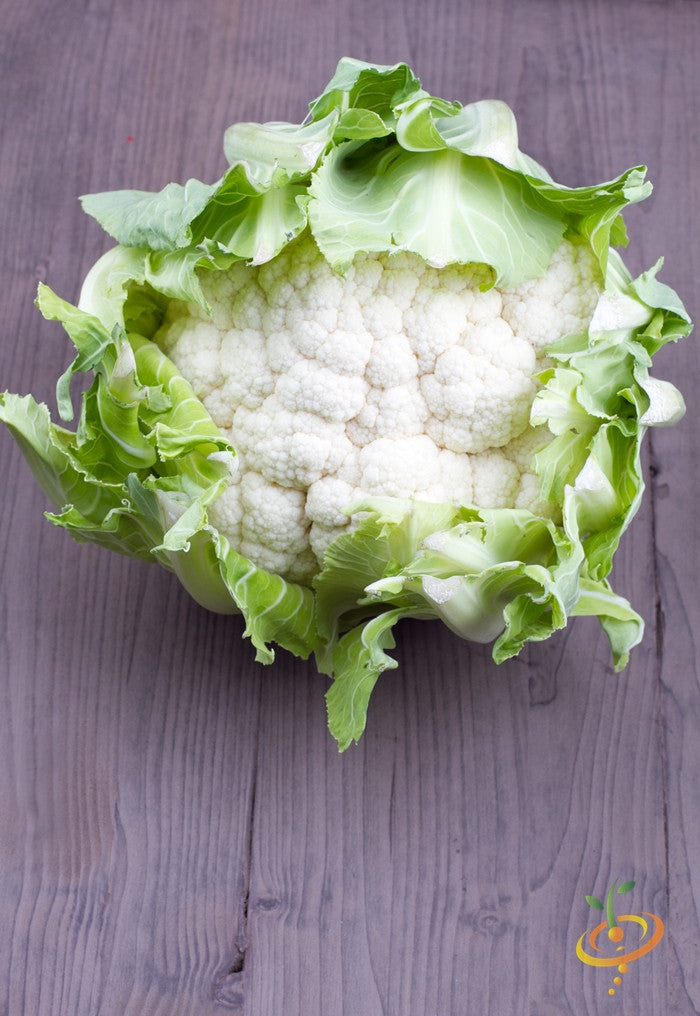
[{"x": 612, "y": 943}]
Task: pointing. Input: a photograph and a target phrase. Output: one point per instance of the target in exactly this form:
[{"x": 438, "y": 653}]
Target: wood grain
[{"x": 178, "y": 834}]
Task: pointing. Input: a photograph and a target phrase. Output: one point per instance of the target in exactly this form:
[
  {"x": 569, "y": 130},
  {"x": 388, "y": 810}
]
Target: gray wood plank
[{"x": 179, "y": 834}]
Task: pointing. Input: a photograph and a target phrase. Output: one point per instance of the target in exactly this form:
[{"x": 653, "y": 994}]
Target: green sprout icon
[{"x": 615, "y": 932}]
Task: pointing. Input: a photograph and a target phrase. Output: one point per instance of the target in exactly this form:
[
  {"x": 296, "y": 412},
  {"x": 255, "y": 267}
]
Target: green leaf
[
  {"x": 221, "y": 579},
  {"x": 486, "y": 574},
  {"x": 622, "y": 625},
  {"x": 441, "y": 205},
  {"x": 626, "y": 887},
  {"x": 273, "y": 154},
  {"x": 594, "y": 902},
  {"x": 141, "y": 414},
  {"x": 249, "y": 224},
  {"x": 142, "y": 219},
  {"x": 376, "y": 88},
  {"x": 357, "y": 661},
  {"x": 47, "y": 449}
]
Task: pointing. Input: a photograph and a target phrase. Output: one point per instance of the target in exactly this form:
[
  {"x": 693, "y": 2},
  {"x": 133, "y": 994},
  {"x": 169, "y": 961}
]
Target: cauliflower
[
  {"x": 385, "y": 367},
  {"x": 395, "y": 380}
]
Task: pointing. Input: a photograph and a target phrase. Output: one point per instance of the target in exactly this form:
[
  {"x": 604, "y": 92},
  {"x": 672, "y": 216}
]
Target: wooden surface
[{"x": 178, "y": 835}]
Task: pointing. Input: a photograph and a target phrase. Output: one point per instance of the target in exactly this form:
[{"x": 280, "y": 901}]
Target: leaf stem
[{"x": 609, "y": 907}]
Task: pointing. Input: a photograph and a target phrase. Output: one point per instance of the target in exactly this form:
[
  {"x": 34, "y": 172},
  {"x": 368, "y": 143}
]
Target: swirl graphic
[{"x": 635, "y": 954}]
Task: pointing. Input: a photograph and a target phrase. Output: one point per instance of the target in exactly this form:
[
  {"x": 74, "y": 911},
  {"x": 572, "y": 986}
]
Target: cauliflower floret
[
  {"x": 315, "y": 389},
  {"x": 481, "y": 390},
  {"x": 486, "y": 305},
  {"x": 295, "y": 568},
  {"x": 528, "y": 496},
  {"x": 382, "y": 316},
  {"x": 399, "y": 467},
  {"x": 391, "y": 362},
  {"x": 397, "y": 380},
  {"x": 495, "y": 480},
  {"x": 433, "y": 324},
  {"x": 522, "y": 448},
  {"x": 342, "y": 351},
  {"x": 283, "y": 349},
  {"x": 321, "y": 537},
  {"x": 390, "y": 412},
  {"x": 292, "y": 449},
  {"x": 326, "y": 498},
  {"x": 248, "y": 303},
  {"x": 226, "y": 512},
  {"x": 246, "y": 369},
  {"x": 364, "y": 277},
  {"x": 400, "y": 279},
  {"x": 272, "y": 515},
  {"x": 309, "y": 306},
  {"x": 456, "y": 477},
  {"x": 325, "y": 503},
  {"x": 195, "y": 346},
  {"x": 558, "y": 304}
]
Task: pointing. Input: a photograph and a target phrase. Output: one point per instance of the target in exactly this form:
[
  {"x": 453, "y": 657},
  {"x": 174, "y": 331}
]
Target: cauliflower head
[{"x": 395, "y": 379}]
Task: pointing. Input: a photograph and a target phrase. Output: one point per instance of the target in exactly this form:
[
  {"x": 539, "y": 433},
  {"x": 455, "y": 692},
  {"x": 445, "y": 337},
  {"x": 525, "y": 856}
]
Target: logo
[{"x": 620, "y": 939}]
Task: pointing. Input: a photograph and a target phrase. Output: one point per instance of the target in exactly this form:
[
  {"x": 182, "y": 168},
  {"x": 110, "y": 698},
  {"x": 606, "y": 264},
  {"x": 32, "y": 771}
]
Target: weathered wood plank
[
  {"x": 178, "y": 833},
  {"x": 676, "y": 467}
]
